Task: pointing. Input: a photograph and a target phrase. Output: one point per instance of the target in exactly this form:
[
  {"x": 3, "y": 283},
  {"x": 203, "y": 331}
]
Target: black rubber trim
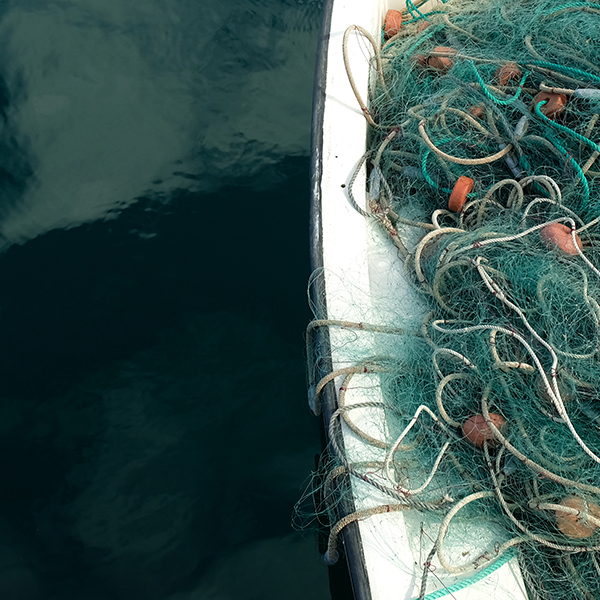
[{"x": 352, "y": 541}]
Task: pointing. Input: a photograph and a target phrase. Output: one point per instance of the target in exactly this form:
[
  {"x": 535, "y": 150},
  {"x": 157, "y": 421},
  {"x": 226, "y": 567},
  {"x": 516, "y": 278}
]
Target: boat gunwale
[{"x": 353, "y": 545}]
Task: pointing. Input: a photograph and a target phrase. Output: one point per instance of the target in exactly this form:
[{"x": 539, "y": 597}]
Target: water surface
[{"x": 153, "y": 262}]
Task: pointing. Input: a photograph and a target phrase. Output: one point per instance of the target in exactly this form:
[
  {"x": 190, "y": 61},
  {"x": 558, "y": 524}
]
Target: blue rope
[{"x": 526, "y": 166}]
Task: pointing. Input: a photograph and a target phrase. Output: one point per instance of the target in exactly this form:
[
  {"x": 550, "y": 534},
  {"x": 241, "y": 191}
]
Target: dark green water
[{"x": 154, "y": 202}]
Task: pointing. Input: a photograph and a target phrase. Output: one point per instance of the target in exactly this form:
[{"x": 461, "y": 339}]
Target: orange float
[
  {"x": 441, "y": 63},
  {"x": 421, "y": 59},
  {"x": 393, "y": 21},
  {"x": 558, "y": 236},
  {"x": 555, "y": 103},
  {"x": 458, "y": 197},
  {"x": 508, "y": 72},
  {"x": 576, "y": 526},
  {"x": 476, "y": 428},
  {"x": 476, "y": 111}
]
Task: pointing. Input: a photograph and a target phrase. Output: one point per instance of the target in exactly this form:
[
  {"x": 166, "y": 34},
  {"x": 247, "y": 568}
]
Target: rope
[
  {"x": 369, "y": 37},
  {"x": 332, "y": 555},
  {"x": 458, "y": 160},
  {"x": 485, "y": 90},
  {"x": 465, "y": 583}
]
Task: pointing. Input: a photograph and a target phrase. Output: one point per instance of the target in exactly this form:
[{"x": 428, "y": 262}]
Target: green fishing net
[{"x": 483, "y": 172}]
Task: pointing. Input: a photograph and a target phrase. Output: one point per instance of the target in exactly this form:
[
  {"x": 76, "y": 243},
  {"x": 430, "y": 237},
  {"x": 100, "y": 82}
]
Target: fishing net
[{"x": 482, "y": 172}]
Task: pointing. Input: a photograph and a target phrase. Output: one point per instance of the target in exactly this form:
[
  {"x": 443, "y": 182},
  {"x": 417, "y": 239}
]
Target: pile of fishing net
[{"x": 483, "y": 148}]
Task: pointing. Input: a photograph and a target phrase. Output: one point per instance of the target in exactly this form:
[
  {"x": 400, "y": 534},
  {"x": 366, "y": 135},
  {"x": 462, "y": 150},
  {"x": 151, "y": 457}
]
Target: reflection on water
[
  {"x": 111, "y": 100},
  {"x": 153, "y": 420}
]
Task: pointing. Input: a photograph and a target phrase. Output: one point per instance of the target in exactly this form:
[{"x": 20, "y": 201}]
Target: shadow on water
[{"x": 152, "y": 377}]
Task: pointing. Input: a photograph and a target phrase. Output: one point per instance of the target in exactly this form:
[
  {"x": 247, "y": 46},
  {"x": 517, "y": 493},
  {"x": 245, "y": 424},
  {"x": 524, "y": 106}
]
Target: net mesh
[{"x": 482, "y": 170}]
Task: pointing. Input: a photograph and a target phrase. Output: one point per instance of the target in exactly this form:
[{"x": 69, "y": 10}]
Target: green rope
[
  {"x": 487, "y": 92},
  {"x": 572, "y": 5},
  {"x": 426, "y": 175},
  {"x": 578, "y": 169},
  {"x": 433, "y": 12},
  {"x": 562, "y": 68},
  {"x": 430, "y": 181},
  {"x": 567, "y": 130},
  {"x": 410, "y": 6},
  {"x": 461, "y": 585}
]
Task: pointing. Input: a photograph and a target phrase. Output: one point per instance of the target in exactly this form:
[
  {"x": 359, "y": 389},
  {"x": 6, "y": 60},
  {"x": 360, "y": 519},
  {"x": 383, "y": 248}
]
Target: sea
[{"x": 154, "y": 258}]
